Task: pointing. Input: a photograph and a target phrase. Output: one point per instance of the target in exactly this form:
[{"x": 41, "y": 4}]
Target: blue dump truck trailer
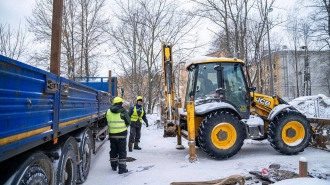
[{"x": 48, "y": 125}]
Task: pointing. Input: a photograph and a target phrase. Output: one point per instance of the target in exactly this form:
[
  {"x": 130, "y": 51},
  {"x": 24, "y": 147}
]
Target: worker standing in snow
[
  {"x": 118, "y": 121},
  {"x": 137, "y": 114}
]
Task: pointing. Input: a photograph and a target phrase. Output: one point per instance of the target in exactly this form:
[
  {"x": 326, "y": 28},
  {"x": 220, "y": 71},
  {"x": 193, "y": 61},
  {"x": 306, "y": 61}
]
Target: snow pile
[{"x": 317, "y": 106}]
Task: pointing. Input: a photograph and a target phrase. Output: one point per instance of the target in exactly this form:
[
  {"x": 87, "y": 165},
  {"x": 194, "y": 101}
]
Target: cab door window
[{"x": 235, "y": 86}]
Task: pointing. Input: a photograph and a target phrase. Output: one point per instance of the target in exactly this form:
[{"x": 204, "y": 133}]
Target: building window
[
  {"x": 274, "y": 66},
  {"x": 267, "y": 67},
  {"x": 275, "y": 78}
]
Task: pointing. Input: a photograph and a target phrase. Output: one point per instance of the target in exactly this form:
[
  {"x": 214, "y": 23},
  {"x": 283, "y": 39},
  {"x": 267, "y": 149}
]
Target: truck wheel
[
  {"x": 289, "y": 133},
  {"x": 31, "y": 168},
  {"x": 34, "y": 175},
  {"x": 221, "y": 135},
  {"x": 85, "y": 156},
  {"x": 67, "y": 170}
]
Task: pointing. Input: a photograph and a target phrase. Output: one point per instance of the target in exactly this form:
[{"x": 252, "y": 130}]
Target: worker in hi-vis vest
[
  {"x": 118, "y": 121},
  {"x": 137, "y": 114}
]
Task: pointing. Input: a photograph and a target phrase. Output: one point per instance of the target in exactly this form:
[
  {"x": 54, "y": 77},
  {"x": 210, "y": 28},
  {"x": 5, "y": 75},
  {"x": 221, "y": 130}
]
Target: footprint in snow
[
  {"x": 126, "y": 174},
  {"x": 144, "y": 168}
]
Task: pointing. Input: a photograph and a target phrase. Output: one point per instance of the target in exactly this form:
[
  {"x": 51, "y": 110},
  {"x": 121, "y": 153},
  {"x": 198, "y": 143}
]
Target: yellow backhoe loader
[{"x": 226, "y": 110}]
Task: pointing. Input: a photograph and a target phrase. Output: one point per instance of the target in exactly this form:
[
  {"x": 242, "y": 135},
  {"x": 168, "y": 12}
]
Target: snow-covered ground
[{"x": 159, "y": 163}]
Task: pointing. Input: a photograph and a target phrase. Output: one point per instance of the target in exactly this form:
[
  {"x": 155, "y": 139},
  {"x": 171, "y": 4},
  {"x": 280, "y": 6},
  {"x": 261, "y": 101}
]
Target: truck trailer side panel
[{"x": 27, "y": 106}]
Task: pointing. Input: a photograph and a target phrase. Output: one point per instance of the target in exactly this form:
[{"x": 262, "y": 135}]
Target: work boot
[
  {"x": 122, "y": 169},
  {"x": 136, "y": 146},
  {"x": 114, "y": 165},
  {"x": 130, "y": 147}
]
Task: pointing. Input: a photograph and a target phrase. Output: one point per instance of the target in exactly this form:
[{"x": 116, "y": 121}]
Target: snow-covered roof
[{"x": 202, "y": 59}]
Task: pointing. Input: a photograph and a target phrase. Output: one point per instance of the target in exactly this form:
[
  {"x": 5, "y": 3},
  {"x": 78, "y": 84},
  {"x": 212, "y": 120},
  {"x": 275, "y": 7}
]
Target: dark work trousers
[
  {"x": 135, "y": 134},
  {"x": 118, "y": 148}
]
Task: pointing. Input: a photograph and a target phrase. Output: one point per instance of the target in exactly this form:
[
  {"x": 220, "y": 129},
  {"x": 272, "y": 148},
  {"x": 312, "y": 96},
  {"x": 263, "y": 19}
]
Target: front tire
[
  {"x": 221, "y": 135},
  {"x": 289, "y": 133}
]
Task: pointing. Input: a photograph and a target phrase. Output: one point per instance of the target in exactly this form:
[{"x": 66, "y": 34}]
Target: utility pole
[
  {"x": 270, "y": 56},
  {"x": 55, "y": 48}
]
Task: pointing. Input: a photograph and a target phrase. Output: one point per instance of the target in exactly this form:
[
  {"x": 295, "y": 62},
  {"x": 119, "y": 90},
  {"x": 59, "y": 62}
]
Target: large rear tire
[
  {"x": 289, "y": 133},
  {"x": 221, "y": 135}
]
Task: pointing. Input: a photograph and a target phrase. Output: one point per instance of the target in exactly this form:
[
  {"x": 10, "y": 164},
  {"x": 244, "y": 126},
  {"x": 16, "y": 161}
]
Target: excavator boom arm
[{"x": 169, "y": 111}]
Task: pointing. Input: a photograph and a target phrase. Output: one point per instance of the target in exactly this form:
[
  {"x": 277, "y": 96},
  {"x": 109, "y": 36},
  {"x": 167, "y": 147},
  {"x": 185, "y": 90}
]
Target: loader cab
[{"x": 219, "y": 79}]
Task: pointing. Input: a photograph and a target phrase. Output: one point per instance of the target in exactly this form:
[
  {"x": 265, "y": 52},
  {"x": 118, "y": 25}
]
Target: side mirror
[{"x": 253, "y": 88}]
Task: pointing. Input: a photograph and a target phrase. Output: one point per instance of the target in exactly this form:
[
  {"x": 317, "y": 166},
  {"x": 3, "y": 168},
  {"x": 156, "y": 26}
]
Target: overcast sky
[
  {"x": 12, "y": 11},
  {"x": 15, "y": 11}
]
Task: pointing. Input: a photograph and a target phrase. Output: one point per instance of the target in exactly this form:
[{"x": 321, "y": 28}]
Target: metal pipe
[{"x": 270, "y": 63}]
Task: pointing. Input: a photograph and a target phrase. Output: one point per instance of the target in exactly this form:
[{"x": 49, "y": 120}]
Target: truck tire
[
  {"x": 85, "y": 150},
  {"x": 31, "y": 168},
  {"x": 289, "y": 132},
  {"x": 221, "y": 135},
  {"x": 67, "y": 169},
  {"x": 34, "y": 175}
]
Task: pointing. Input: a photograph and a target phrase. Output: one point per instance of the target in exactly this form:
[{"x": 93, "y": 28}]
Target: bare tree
[
  {"x": 320, "y": 18},
  {"x": 232, "y": 18},
  {"x": 294, "y": 35},
  {"x": 320, "y": 26},
  {"x": 13, "y": 43},
  {"x": 82, "y": 38},
  {"x": 242, "y": 32},
  {"x": 137, "y": 37}
]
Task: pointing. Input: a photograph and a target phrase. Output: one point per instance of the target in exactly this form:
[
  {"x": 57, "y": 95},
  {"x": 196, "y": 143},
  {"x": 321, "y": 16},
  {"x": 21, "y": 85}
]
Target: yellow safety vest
[
  {"x": 135, "y": 115},
  {"x": 115, "y": 123}
]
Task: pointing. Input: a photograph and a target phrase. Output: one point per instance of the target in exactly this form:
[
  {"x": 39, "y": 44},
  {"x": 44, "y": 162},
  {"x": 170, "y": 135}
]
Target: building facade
[{"x": 303, "y": 73}]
